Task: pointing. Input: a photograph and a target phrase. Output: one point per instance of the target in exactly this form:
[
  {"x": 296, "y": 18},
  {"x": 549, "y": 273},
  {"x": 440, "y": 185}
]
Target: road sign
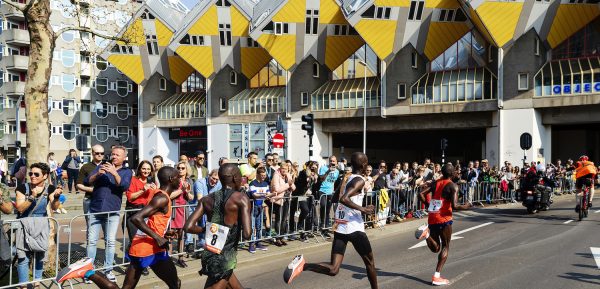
[
  {"x": 278, "y": 140},
  {"x": 526, "y": 141}
]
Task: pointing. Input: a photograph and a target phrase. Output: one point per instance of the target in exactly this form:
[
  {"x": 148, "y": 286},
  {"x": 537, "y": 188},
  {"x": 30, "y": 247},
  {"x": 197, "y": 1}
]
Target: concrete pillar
[
  {"x": 217, "y": 143},
  {"x": 518, "y": 121},
  {"x": 492, "y": 142}
]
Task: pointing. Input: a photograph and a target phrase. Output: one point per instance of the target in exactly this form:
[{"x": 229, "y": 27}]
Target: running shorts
[
  {"x": 148, "y": 261},
  {"x": 359, "y": 240},
  {"x": 587, "y": 180}
]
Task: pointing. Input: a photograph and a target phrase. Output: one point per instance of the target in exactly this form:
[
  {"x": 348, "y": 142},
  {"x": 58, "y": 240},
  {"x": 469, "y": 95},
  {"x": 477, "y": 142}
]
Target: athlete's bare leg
[
  {"x": 166, "y": 271},
  {"x": 132, "y": 276},
  {"x": 371, "y": 272},
  {"x": 332, "y": 268},
  {"x": 433, "y": 241},
  {"x": 445, "y": 235},
  {"x": 231, "y": 283}
]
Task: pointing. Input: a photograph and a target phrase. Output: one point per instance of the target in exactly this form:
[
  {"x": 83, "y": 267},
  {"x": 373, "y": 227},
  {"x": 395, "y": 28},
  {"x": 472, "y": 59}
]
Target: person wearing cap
[{"x": 199, "y": 171}]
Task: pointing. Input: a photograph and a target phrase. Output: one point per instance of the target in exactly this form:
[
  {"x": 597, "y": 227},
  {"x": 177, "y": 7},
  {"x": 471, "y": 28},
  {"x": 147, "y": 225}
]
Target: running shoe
[
  {"x": 261, "y": 247},
  {"x": 75, "y": 270},
  {"x": 439, "y": 281},
  {"x": 422, "y": 232},
  {"x": 294, "y": 269},
  {"x": 111, "y": 277},
  {"x": 252, "y": 248}
]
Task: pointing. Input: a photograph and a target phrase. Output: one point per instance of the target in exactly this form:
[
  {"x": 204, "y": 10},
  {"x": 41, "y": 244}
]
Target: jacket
[
  {"x": 33, "y": 236},
  {"x": 585, "y": 168},
  {"x": 280, "y": 188}
]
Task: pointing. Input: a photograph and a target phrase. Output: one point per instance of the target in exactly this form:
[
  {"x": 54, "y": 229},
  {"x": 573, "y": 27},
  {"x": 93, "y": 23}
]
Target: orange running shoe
[
  {"x": 75, "y": 270},
  {"x": 294, "y": 269},
  {"x": 439, "y": 281},
  {"x": 422, "y": 232}
]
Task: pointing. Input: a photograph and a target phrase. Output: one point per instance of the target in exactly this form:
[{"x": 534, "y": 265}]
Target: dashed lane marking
[
  {"x": 454, "y": 236},
  {"x": 596, "y": 255},
  {"x": 569, "y": 221}
]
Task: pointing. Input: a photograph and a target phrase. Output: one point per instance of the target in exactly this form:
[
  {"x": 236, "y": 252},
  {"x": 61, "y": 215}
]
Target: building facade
[
  {"x": 477, "y": 73},
  {"x": 87, "y": 95}
]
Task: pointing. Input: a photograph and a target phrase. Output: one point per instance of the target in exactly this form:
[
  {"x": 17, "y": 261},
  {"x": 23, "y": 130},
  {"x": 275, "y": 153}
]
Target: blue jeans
[
  {"x": 257, "y": 215},
  {"x": 23, "y": 267},
  {"x": 109, "y": 224},
  {"x": 86, "y": 209},
  {"x": 189, "y": 238}
]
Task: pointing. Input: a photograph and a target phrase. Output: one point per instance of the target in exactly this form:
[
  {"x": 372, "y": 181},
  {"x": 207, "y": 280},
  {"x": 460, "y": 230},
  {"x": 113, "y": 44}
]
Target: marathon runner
[
  {"x": 149, "y": 246},
  {"x": 585, "y": 173},
  {"x": 439, "y": 231},
  {"x": 348, "y": 227},
  {"x": 223, "y": 209}
]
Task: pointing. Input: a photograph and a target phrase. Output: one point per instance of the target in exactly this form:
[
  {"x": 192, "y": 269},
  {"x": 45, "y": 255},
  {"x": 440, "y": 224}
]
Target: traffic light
[
  {"x": 444, "y": 144},
  {"x": 309, "y": 125}
]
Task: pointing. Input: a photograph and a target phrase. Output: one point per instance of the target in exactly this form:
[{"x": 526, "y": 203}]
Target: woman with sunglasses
[
  {"x": 32, "y": 200},
  {"x": 180, "y": 198}
]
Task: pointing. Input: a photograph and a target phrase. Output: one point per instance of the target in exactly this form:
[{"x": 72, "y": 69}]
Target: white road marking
[
  {"x": 597, "y": 211},
  {"x": 596, "y": 255},
  {"x": 569, "y": 221},
  {"x": 461, "y": 215},
  {"x": 457, "y": 278},
  {"x": 454, "y": 236}
]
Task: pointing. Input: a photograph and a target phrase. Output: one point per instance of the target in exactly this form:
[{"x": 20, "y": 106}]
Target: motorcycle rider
[{"x": 585, "y": 173}]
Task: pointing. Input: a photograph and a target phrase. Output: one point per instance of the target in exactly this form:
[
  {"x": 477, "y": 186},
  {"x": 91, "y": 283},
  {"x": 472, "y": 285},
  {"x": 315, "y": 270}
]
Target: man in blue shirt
[
  {"x": 259, "y": 190},
  {"x": 202, "y": 187},
  {"x": 110, "y": 180},
  {"x": 327, "y": 176}
]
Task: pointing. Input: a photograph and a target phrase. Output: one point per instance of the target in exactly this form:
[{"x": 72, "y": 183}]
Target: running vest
[
  {"x": 350, "y": 220},
  {"x": 218, "y": 218},
  {"x": 144, "y": 245},
  {"x": 440, "y": 209},
  {"x": 584, "y": 169}
]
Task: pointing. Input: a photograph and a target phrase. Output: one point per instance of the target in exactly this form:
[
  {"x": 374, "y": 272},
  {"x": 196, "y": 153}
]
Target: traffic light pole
[{"x": 310, "y": 148}]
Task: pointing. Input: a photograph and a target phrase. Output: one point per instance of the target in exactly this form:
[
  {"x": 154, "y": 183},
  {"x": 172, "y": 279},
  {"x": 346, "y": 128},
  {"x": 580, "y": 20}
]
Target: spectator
[
  {"x": 405, "y": 176},
  {"x": 369, "y": 182},
  {"x": 276, "y": 161},
  {"x": 53, "y": 166},
  {"x": 259, "y": 190},
  {"x": 3, "y": 169},
  {"x": 394, "y": 184},
  {"x": 158, "y": 163},
  {"x": 184, "y": 158},
  {"x": 269, "y": 161},
  {"x": 19, "y": 169},
  {"x": 249, "y": 169},
  {"x": 199, "y": 171},
  {"x": 180, "y": 198},
  {"x": 282, "y": 186},
  {"x": 379, "y": 180},
  {"x": 6, "y": 205},
  {"x": 202, "y": 187},
  {"x": 110, "y": 180},
  {"x": 327, "y": 176},
  {"x": 71, "y": 164},
  {"x": 437, "y": 172},
  {"x": 138, "y": 194},
  {"x": 393, "y": 180},
  {"x": 84, "y": 173},
  {"x": 32, "y": 199},
  {"x": 222, "y": 161}
]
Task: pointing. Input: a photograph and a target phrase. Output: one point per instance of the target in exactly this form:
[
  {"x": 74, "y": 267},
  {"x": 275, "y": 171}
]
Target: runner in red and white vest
[{"x": 439, "y": 229}]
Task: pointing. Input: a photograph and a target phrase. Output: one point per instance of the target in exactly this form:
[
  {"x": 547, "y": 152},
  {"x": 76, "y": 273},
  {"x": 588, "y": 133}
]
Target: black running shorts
[
  {"x": 587, "y": 180},
  {"x": 359, "y": 240}
]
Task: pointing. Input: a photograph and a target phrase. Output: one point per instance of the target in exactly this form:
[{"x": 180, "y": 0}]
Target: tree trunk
[{"x": 36, "y": 98}]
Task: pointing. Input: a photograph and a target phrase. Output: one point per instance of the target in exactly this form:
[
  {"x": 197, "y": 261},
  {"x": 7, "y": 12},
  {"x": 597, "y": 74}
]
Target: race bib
[
  {"x": 435, "y": 206},
  {"x": 342, "y": 214},
  {"x": 215, "y": 237}
]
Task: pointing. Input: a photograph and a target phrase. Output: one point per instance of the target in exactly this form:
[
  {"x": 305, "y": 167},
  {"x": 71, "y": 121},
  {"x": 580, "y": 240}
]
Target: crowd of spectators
[{"x": 288, "y": 197}]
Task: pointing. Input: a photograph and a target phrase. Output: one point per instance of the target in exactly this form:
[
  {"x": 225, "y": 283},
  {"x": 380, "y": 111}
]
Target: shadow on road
[
  {"x": 582, "y": 277},
  {"x": 361, "y": 274}
]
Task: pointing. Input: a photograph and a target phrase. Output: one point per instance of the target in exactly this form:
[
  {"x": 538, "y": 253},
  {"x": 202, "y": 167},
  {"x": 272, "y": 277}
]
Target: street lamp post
[{"x": 364, "y": 64}]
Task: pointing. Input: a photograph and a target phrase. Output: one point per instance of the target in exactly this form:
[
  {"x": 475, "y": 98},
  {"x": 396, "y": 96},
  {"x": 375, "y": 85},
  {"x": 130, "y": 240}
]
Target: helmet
[{"x": 584, "y": 158}]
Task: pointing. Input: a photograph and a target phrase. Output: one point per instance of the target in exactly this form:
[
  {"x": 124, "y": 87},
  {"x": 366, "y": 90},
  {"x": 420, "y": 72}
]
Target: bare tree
[{"x": 43, "y": 41}]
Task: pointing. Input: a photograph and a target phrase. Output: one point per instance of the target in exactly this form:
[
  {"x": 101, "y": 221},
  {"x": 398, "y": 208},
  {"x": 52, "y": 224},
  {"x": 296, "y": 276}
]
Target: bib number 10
[{"x": 215, "y": 238}]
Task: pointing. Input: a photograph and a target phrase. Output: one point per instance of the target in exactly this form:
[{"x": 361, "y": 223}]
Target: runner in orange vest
[
  {"x": 439, "y": 230},
  {"x": 149, "y": 246}
]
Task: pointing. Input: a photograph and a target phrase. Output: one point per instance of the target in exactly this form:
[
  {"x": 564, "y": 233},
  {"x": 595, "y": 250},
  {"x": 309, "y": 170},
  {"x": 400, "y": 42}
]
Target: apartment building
[
  {"x": 477, "y": 73},
  {"x": 87, "y": 95}
]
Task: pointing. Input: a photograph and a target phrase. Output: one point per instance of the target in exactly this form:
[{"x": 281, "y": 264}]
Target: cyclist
[{"x": 585, "y": 173}]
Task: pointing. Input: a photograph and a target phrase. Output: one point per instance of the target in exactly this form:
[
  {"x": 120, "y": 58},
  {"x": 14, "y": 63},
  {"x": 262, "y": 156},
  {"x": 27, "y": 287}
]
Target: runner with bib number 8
[{"x": 223, "y": 209}]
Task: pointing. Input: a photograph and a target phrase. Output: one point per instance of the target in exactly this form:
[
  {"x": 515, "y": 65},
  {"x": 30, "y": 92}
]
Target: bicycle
[{"x": 584, "y": 202}]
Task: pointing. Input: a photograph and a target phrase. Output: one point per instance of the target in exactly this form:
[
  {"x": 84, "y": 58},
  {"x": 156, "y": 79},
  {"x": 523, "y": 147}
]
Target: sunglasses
[
  {"x": 98, "y": 153},
  {"x": 181, "y": 168},
  {"x": 200, "y": 158},
  {"x": 37, "y": 175}
]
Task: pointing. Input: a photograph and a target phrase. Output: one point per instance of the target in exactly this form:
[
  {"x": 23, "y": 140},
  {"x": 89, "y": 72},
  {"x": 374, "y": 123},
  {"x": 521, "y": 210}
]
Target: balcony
[
  {"x": 85, "y": 69},
  {"x": 85, "y": 118},
  {"x": 17, "y": 62},
  {"x": 13, "y": 88},
  {"x": 8, "y": 140},
  {"x": 11, "y": 12},
  {"x": 16, "y": 37},
  {"x": 10, "y": 114},
  {"x": 86, "y": 93}
]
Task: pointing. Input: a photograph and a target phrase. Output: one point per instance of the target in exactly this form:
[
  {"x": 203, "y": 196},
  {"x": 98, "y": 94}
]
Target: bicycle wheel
[
  {"x": 587, "y": 205},
  {"x": 581, "y": 206}
]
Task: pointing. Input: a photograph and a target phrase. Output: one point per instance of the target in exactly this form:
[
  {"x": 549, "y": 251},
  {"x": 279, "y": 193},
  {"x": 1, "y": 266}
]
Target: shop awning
[
  {"x": 185, "y": 105},
  {"x": 461, "y": 85},
  {"x": 346, "y": 94},
  {"x": 258, "y": 101}
]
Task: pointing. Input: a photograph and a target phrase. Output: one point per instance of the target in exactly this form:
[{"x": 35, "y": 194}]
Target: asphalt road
[{"x": 501, "y": 248}]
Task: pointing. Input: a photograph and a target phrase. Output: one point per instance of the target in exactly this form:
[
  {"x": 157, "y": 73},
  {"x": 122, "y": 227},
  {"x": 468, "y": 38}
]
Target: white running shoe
[
  {"x": 294, "y": 269},
  {"x": 422, "y": 232}
]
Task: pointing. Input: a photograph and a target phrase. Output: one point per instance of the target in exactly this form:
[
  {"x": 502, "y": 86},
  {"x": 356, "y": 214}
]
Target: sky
[{"x": 189, "y": 3}]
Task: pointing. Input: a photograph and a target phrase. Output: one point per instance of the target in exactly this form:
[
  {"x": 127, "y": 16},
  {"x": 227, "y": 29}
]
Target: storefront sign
[
  {"x": 576, "y": 88},
  {"x": 194, "y": 132}
]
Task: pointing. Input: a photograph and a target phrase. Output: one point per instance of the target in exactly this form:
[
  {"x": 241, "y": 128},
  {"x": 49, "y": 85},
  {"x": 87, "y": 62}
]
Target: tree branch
[
  {"x": 16, "y": 5},
  {"x": 92, "y": 32},
  {"x": 28, "y": 6}
]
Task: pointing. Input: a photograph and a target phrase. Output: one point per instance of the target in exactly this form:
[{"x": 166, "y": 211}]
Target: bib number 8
[{"x": 214, "y": 239}]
